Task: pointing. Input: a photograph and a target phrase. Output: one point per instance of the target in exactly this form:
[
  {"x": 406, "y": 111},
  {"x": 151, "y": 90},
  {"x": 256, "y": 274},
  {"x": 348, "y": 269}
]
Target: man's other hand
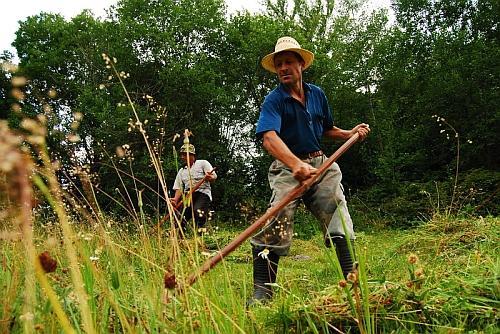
[
  {"x": 209, "y": 177},
  {"x": 362, "y": 129}
]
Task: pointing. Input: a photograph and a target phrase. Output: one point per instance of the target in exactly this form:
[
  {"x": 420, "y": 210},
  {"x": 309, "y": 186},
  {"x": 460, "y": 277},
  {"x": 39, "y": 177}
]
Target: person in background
[
  {"x": 194, "y": 171},
  {"x": 293, "y": 119}
]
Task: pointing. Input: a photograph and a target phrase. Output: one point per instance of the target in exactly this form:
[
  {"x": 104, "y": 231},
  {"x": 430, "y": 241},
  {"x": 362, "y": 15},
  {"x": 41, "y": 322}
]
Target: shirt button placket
[{"x": 309, "y": 116}]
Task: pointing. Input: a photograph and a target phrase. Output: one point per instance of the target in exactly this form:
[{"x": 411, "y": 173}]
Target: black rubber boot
[
  {"x": 346, "y": 260},
  {"x": 264, "y": 271}
]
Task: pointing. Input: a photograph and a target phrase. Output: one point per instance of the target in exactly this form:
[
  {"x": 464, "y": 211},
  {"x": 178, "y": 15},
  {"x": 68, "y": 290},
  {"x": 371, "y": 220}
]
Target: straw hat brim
[{"x": 268, "y": 61}]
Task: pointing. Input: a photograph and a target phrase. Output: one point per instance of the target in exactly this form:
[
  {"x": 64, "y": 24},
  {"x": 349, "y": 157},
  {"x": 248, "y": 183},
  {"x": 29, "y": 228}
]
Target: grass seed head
[
  {"x": 52, "y": 93},
  {"x": 17, "y": 94},
  {"x": 169, "y": 280},
  {"x": 412, "y": 258},
  {"x": 49, "y": 265},
  {"x": 352, "y": 277},
  {"x": 18, "y": 81}
]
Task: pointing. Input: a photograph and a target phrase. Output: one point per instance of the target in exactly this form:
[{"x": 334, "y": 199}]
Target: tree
[
  {"x": 6, "y": 99},
  {"x": 437, "y": 63},
  {"x": 186, "y": 64}
]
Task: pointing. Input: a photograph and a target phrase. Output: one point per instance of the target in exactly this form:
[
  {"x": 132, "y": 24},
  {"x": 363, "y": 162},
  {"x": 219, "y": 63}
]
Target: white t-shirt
[{"x": 190, "y": 177}]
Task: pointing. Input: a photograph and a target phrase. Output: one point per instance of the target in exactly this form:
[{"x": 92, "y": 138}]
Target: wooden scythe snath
[{"x": 296, "y": 192}]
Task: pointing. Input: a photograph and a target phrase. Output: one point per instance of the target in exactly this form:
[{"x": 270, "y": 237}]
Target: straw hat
[
  {"x": 287, "y": 44},
  {"x": 188, "y": 148}
]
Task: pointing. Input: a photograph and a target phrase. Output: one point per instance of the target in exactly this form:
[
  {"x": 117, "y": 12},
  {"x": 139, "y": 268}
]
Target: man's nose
[{"x": 281, "y": 68}]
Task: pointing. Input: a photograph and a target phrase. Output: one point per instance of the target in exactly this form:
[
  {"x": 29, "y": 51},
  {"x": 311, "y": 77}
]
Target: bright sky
[{"x": 13, "y": 11}]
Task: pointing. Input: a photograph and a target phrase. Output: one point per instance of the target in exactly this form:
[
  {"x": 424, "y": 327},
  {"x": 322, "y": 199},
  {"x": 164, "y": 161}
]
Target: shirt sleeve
[
  {"x": 327, "y": 112},
  {"x": 270, "y": 117},
  {"x": 178, "y": 181},
  {"x": 207, "y": 168}
]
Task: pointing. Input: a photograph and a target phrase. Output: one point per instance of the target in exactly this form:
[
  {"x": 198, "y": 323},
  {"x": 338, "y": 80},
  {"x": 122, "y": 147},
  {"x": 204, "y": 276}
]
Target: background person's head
[{"x": 188, "y": 153}]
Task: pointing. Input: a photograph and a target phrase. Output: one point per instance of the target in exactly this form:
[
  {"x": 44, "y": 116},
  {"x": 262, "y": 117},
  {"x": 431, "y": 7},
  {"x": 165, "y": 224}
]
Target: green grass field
[{"x": 452, "y": 286}]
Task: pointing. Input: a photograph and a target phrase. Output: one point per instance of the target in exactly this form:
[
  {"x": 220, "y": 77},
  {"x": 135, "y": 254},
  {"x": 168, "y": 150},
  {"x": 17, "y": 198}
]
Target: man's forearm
[
  {"x": 177, "y": 196},
  {"x": 362, "y": 129},
  {"x": 278, "y": 149},
  {"x": 338, "y": 134}
]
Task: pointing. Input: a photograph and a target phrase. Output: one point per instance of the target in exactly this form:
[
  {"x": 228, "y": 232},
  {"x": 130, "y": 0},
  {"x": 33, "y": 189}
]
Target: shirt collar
[
  {"x": 286, "y": 95},
  {"x": 186, "y": 166}
]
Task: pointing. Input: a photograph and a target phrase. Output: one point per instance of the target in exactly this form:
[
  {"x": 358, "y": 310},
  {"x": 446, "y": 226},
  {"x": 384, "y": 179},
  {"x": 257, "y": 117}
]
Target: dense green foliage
[{"x": 186, "y": 64}]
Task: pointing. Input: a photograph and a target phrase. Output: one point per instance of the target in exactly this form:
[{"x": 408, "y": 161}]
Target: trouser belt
[{"x": 310, "y": 155}]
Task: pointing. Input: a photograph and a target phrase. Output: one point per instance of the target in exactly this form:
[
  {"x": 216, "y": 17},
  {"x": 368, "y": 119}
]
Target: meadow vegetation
[
  {"x": 439, "y": 277},
  {"x": 78, "y": 271}
]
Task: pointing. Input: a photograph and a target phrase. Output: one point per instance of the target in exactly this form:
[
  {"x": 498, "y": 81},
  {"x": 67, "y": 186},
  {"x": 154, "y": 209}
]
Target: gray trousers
[{"x": 325, "y": 199}]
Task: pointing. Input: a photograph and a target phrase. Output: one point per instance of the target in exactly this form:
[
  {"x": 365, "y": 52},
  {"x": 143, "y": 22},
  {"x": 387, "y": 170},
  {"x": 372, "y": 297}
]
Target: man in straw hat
[
  {"x": 193, "y": 172},
  {"x": 293, "y": 119}
]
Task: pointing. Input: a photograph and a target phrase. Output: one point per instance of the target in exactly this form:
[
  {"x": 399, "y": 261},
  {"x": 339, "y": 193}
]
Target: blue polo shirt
[{"x": 300, "y": 128}]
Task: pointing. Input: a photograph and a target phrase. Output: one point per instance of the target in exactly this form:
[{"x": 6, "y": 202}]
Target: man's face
[
  {"x": 186, "y": 156},
  {"x": 289, "y": 67}
]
